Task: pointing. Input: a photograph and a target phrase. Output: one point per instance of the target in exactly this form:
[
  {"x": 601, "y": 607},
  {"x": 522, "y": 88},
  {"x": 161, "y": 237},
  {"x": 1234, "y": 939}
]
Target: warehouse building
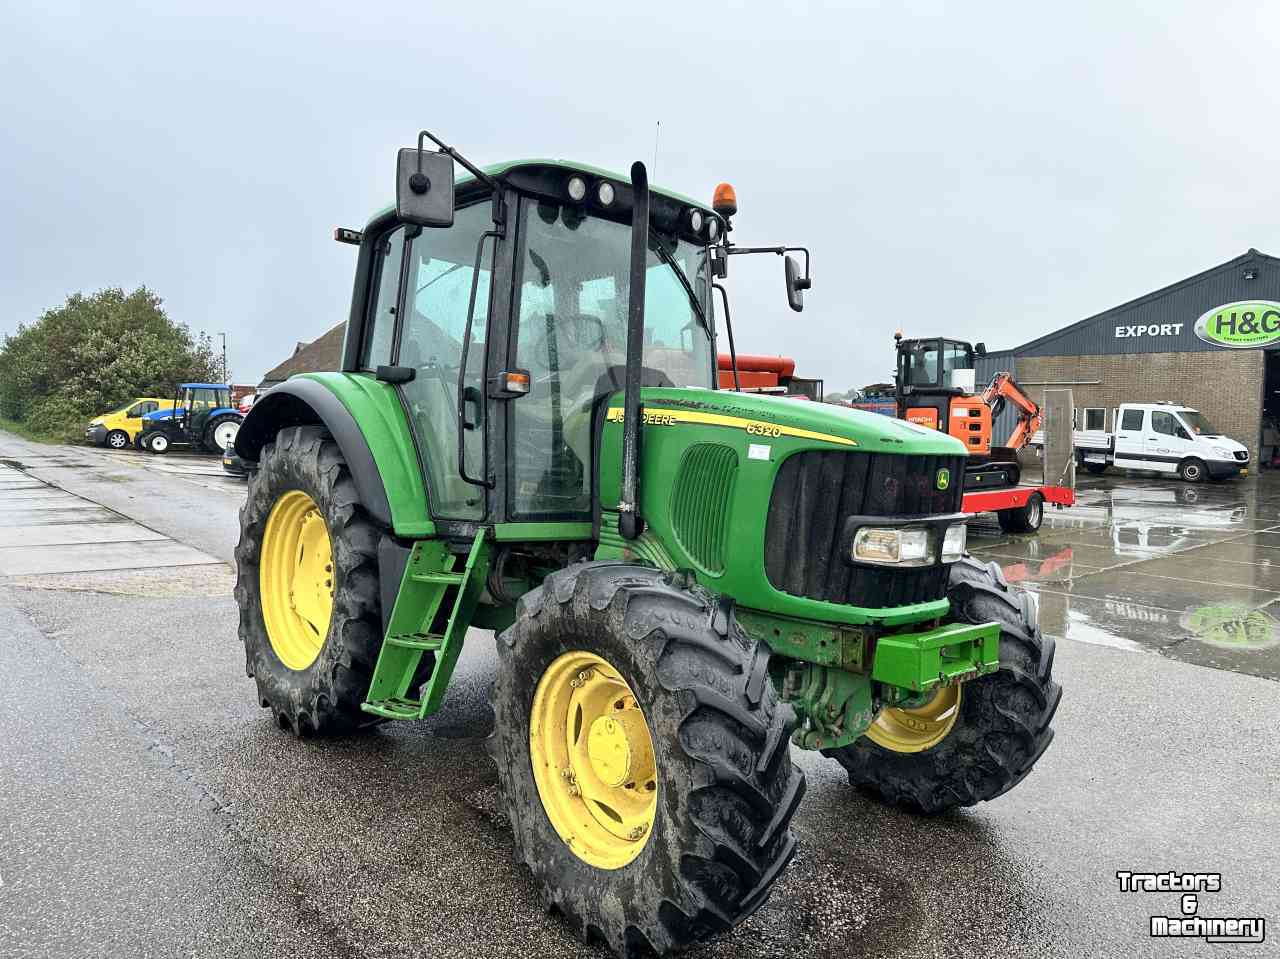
[{"x": 1211, "y": 341}]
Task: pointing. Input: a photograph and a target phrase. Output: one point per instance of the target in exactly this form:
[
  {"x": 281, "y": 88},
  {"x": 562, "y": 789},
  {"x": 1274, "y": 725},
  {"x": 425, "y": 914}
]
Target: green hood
[{"x": 873, "y": 432}]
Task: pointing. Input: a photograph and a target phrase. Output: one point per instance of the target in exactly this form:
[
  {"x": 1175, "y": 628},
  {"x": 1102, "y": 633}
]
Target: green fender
[{"x": 368, "y": 423}]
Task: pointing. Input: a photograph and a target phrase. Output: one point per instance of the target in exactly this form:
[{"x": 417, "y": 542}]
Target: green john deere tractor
[{"x": 526, "y": 436}]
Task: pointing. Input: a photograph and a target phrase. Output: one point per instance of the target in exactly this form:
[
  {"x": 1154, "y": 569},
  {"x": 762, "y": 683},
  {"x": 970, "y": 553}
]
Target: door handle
[{"x": 470, "y": 398}]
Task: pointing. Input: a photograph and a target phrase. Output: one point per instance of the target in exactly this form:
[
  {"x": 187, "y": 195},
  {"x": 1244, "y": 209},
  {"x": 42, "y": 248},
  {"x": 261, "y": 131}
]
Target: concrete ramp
[{"x": 46, "y": 531}]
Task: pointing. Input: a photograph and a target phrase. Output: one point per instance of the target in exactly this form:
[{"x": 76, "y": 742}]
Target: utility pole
[{"x": 224, "y": 357}]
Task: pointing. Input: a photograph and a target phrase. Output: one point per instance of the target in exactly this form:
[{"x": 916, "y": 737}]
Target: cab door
[
  {"x": 1168, "y": 442},
  {"x": 1131, "y": 438},
  {"x": 134, "y": 414},
  {"x": 436, "y": 274}
]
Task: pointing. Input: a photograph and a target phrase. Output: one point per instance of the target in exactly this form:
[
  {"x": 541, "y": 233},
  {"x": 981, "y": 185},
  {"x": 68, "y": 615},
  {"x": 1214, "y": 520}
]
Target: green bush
[{"x": 94, "y": 354}]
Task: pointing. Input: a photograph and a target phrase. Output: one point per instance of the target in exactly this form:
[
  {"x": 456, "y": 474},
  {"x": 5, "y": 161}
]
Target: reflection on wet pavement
[{"x": 1189, "y": 571}]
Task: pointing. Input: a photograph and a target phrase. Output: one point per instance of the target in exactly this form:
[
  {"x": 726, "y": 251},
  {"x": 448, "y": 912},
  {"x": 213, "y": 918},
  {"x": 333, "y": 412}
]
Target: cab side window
[
  {"x": 380, "y": 325},
  {"x": 1132, "y": 420},
  {"x": 1162, "y": 422}
]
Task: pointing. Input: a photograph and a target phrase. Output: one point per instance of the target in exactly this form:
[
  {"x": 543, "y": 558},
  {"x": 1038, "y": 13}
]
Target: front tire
[
  {"x": 1192, "y": 471},
  {"x": 156, "y": 443},
  {"x": 706, "y": 854},
  {"x": 1097, "y": 469},
  {"x": 930, "y": 760},
  {"x": 307, "y": 586},
  {"x": 118, "y": 440}
]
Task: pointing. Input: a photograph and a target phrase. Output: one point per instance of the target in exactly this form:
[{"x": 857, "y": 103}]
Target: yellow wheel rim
[
  {"x": 593, "y": 761},
  {"x": 915, "y": 730},
  {"x": 295, "y": 579}
]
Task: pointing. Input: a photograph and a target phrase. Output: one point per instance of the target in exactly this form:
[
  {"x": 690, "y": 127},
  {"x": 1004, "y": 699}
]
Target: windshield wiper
[{"x": 668, "y": 259}]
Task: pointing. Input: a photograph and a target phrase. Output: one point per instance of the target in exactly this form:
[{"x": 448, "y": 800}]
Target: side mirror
[
  {"x": 796, "y": 284},
  {"x": 980, "y": 349},
  {"x": 424, "y": 187}
]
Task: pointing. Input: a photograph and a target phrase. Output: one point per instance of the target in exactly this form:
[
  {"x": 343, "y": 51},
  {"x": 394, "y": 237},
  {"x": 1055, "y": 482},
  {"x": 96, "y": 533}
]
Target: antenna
[{"x": 657, "y": 130}]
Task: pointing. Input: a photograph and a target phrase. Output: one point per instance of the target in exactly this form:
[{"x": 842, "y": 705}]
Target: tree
[{"x": 93, "y": 354}]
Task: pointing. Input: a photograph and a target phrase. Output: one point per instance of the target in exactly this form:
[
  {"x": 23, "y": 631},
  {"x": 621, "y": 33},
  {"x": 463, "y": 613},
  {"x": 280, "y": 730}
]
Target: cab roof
[{"x": 498, "y": 170}]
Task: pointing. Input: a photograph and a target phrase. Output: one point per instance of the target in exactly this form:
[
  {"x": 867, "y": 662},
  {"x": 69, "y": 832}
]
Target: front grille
[
  {"x": 816, "y": 491},
  {"x": 1242, "y": 455},
  {"x": 700, "y": 502}
]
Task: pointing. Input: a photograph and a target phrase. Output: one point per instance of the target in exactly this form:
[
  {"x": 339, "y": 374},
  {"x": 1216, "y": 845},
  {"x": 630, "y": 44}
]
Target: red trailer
[{"x": 1020, "y": 508}]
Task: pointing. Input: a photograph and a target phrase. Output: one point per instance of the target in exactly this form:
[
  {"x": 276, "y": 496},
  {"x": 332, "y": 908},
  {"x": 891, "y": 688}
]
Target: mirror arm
[
  {"x": 470, "y": 167},
  {"x": 476, "y": 395},
  {"x": 728, "y": 328},
  {"x": 804, "y": 284}
]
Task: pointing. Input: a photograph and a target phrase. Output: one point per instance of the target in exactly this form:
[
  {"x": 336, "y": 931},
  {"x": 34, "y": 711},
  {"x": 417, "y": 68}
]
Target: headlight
[
  {"x": 1224, "y": 453},
  {"x": 893, "y": 547},
  {"x": 908, "y": 546},
  {"x": 954, "y": 542},
  {"x": 577, "y": 189}
]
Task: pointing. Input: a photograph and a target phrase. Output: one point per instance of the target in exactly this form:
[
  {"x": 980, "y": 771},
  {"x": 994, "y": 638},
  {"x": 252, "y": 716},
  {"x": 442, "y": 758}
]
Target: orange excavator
[{"x": 935, "y": 386}]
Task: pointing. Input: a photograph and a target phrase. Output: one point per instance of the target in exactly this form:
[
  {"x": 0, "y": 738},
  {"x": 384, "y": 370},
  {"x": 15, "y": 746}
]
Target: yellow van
[{"x": 119, "y": 428}]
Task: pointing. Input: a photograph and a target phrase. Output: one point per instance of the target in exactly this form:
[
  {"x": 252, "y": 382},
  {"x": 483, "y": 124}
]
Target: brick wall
[{"x": 1225, "y": 385}]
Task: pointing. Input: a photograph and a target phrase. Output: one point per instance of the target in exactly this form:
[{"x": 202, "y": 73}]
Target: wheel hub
[
  {"x": 296, "y": 579},
  {"x": 904, "y": 730},
  {"x": 619, "y": 749},
  {"x": 593, "y": 760}
]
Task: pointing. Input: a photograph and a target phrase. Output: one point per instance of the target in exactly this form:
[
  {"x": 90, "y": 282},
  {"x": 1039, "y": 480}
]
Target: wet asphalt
[{"x": 150, "y": 808}]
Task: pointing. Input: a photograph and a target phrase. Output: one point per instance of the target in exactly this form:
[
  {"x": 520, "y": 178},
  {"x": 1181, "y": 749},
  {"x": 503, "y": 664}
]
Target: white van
[{"x": 1161, "y": 437}]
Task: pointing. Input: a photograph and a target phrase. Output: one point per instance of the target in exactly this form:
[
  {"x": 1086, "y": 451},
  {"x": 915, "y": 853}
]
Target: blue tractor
[{"x": 200, "y": 417}]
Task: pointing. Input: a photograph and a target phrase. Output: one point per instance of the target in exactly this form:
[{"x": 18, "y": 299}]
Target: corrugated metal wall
[
  {"x": 985, "y": 367},
  {"x": 1148, "y": 323}
]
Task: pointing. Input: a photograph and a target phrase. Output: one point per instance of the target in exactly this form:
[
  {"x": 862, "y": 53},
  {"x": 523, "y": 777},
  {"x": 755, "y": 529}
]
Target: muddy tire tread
[
  {"x": 325, "y": 699},
  {"x": 734, "y": 729},
  {"x": 1005, "y": 724}
]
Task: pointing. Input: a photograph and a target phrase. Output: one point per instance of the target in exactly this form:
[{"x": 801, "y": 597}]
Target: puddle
[{"x": 1232, "y": 627}]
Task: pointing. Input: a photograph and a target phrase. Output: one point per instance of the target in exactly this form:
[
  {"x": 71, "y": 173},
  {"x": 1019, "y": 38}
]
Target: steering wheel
[{"x": 573, "y": 334}]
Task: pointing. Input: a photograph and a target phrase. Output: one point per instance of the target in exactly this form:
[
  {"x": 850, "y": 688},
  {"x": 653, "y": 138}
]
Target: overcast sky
[{"x": 987, "y": 171}]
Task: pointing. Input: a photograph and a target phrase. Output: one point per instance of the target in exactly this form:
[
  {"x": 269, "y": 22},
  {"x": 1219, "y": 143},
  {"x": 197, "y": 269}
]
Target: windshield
[
  {"x": 571, "y": 335},
  {"x": 922, "y": 368},
  {"x": 1197, "y": 423}
]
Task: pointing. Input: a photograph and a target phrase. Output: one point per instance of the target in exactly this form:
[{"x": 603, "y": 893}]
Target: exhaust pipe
[{"x": 629, "y": 521}]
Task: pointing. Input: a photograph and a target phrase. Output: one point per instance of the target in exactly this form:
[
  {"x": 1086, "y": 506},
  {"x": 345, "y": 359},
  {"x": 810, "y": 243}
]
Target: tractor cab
[
  {"x": 500, "y": 312},
  {"x": 936, "y": 365},
  {"x": 201, "y": 415}
]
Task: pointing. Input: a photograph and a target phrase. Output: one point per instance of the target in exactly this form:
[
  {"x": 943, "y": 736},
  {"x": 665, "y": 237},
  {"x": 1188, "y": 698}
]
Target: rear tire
[
  {"x": 1192, "y": 471},
  {"x": 324, "y": 696},
  {"x": 221, "y": 433},
  {"x": 1097, "y": 469},
  {"x": 1023, "y": 519},
  {"x": 1002, "y": 725},
  {"x": 726, "y": 786}
]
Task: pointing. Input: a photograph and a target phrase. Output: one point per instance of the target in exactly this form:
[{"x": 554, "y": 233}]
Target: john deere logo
[
  {"x": 1241, "y": 326},
  {"x": 944, "y": 478}
]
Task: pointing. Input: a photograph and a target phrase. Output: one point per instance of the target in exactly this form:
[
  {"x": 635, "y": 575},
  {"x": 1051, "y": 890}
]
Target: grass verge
[{"x": 27, "y": 433}]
